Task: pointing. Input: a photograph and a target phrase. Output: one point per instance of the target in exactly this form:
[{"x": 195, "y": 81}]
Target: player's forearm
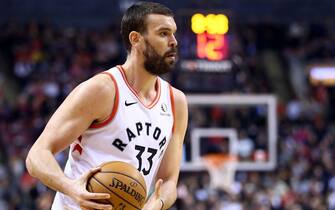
[
  {"x": 168, "y": 194},
  {"x": 43, "y": 165}
]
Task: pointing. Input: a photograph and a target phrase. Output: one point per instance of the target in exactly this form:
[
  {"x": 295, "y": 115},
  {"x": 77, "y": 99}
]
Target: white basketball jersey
[{"x": 134, "y": 133}]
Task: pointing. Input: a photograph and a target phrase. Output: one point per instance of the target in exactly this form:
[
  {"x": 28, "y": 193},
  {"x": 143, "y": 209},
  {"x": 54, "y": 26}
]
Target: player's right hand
[{"x": 85, "y": 199}]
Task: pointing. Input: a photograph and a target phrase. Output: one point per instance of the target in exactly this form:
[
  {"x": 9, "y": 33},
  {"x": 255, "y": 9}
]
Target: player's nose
[{"x": 173, "y": 43}]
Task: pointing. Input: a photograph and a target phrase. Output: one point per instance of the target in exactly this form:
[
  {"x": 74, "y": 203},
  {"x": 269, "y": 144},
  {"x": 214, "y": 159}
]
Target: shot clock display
[
  {"x": 204, "y": 42},
  {"x": 204, "y": 51},
  {"x": 210, "y": 31}
]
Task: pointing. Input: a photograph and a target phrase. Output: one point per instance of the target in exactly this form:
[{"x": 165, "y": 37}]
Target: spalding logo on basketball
[{"x": 123, "y": 182}]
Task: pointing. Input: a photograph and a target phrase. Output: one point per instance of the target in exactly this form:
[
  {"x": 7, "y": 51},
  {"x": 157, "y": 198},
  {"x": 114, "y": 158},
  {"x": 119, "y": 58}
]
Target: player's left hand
[{"x": 154, "y": 202}]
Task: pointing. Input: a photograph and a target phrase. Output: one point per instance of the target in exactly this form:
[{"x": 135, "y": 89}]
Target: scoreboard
[{"x": 204, "y": 51}]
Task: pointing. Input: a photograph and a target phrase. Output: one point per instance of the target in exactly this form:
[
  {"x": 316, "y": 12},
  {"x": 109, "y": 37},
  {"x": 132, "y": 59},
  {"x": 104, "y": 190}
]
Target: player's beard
[{"x": 155, "y": 63}]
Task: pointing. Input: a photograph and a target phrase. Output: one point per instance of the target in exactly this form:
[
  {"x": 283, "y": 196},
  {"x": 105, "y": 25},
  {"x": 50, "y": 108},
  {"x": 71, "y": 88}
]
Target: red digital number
[{"x": 211, "y": 46}]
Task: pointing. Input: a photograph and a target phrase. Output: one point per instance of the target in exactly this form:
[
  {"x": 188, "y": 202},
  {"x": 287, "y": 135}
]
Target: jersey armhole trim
[
  {"x": 172, "y": 107},
  {"x": 115, "y": 106}
]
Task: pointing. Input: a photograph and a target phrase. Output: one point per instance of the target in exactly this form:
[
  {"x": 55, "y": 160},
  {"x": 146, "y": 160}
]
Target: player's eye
[{"x": 163, "y": 33}]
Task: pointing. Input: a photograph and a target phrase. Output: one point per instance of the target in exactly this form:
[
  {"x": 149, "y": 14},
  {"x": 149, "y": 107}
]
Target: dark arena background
[{"x": 259, "y": 76}]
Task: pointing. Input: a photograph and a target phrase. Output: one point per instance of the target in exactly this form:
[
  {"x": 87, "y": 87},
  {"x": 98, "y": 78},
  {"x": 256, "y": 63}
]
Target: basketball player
[{"x": 127, "y": 113}]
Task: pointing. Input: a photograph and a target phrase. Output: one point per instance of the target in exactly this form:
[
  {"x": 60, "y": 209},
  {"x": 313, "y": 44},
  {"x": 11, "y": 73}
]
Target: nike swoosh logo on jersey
[{"x": 129, "y": 104}]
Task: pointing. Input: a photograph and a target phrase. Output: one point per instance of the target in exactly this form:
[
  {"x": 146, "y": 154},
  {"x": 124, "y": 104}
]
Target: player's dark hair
[{"x": 134, "y": 19}]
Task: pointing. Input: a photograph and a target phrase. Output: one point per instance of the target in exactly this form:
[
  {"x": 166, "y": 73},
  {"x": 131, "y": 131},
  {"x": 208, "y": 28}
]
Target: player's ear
[{"x": 134, "y": 38}]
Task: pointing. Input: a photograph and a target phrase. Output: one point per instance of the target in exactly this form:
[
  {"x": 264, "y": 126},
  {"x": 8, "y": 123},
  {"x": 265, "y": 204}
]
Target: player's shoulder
[
  {"x": 181, "y": 110},
  {"x": 179, "y": 96},
  {"x": 103, "y": 81},
  {"x": 100, "y": 86}
]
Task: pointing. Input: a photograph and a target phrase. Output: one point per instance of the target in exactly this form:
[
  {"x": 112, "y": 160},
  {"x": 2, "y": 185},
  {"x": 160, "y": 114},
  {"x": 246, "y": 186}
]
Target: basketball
[{"x": 123, "y": 182}]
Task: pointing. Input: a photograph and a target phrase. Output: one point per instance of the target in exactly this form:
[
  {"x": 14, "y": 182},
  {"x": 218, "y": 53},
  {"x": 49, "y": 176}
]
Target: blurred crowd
[
  {"x": 275, "y": 59},
  {"x": 44, "y": 63}
]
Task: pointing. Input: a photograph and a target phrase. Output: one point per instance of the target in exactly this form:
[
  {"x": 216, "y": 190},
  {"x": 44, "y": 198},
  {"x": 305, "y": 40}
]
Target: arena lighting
[{"x": 322, "y": 75}]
